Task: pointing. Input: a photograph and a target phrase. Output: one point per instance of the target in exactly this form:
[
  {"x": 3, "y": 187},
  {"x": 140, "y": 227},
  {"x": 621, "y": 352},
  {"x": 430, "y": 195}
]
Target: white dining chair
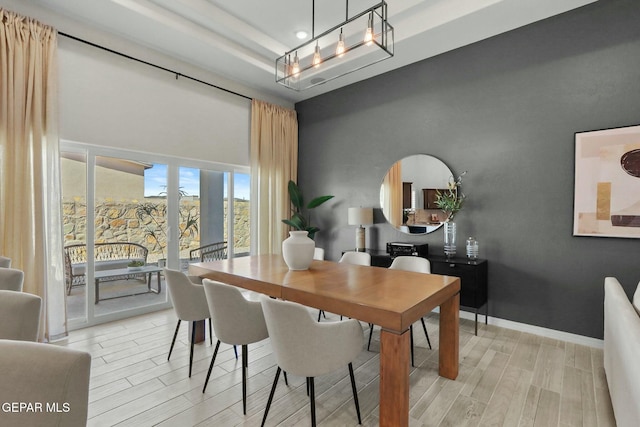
[
  {"x": 236, "y": 321},
  {"x": 50, "y": 375},
  {"x": 189, "y": 304},
  {"x": 19, "y": 316},
  {"x": 304, "y": 347},
  {"x": 11, "y": 279},
  {"x": 357, "y": 258},
  {"x": 318, "y": 254},
  {"x": 417, "y": 265},
  {"x": 5, "y": 262}
]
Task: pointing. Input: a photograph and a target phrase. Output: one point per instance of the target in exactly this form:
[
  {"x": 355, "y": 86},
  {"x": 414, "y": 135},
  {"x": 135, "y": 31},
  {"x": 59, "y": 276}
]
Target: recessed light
[{"x": 301, "y": 34}]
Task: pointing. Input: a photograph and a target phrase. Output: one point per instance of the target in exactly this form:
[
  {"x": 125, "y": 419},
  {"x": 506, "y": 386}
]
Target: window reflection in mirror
[{"x": 408, "y": 190}]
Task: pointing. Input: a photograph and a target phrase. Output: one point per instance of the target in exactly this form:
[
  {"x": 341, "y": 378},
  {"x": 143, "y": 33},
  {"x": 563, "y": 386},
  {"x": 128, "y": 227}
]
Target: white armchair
[
  {"x": 236, "y": 321},
  {"x": 189, "y": 303},
  {"x": 55, "y": 378},
  {"x": 304, "y": 347},
  {"x": 11, "y": 279},
  {"x": 19, "y": 316}
]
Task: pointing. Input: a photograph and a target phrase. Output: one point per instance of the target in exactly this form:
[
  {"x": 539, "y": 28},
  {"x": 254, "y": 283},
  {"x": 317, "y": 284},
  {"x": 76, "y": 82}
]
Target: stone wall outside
[{"x": 116, "y": 221}]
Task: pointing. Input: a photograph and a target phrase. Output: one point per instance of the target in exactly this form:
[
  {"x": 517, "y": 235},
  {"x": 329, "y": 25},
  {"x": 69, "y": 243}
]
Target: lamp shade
[{"x": 360, "y": 216}]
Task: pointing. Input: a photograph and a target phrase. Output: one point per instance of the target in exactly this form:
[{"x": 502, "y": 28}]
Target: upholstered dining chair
[
  {"x": 357, "y": 258},
  {"x": 189, "y": 304},
  {"x": 318, "y": 254},
  {"x": 19, "y": 316},
  {"x": 236, "y": 321},
  {"x": 417, "y": 265},
  {"x": 302, "y": 346},
  {"x": 55, "y": 377},
  {"x": 11, "y": 279},
  {"x": 5, "y": 262}
]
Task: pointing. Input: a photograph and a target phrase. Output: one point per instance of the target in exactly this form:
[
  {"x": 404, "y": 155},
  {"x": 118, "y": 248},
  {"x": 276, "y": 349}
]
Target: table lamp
[{"x": 360, "y": 217}]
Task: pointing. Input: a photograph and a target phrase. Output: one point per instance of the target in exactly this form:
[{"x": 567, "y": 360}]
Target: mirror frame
[{"x": 416, "y": 178}]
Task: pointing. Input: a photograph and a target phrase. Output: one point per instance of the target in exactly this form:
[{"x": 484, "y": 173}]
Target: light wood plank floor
[{"x": 507, "y": 378}]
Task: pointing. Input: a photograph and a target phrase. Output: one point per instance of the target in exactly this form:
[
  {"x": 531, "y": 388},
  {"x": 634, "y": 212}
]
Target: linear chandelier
[{"x": 359, "y": 41}]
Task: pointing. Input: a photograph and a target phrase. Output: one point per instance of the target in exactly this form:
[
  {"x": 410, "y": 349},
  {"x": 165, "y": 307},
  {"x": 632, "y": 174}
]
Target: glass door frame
[{"x": 173, "y": 163}]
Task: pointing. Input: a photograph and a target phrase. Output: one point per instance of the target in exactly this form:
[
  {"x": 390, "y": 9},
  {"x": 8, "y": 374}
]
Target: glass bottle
[{"x": 472, "y": 248}]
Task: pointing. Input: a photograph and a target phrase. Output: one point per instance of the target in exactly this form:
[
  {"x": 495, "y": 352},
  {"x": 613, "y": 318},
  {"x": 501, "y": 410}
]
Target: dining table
[{"x": 392, "y": 299}]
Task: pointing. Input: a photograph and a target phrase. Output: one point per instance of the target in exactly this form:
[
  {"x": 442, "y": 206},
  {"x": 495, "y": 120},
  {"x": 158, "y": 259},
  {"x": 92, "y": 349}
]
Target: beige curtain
[
  {"x": 392, "y": 203},
  {"x": 274, "y": 161},
  {"x": 30, "y": 217}
]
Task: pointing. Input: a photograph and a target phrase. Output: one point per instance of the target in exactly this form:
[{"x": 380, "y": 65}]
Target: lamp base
[{"x": 360, "y": 239}]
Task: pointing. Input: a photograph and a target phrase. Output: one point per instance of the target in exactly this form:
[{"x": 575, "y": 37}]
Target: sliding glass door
[{"x": 128, "y": 215}]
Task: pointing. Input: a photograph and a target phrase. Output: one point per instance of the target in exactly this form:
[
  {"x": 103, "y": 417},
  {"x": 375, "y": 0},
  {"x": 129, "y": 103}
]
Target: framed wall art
[{"x": 607, "y": 183}]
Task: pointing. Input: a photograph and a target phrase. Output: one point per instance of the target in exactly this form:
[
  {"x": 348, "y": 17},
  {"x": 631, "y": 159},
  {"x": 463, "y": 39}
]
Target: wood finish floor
[{"x": 507, "y": 378}]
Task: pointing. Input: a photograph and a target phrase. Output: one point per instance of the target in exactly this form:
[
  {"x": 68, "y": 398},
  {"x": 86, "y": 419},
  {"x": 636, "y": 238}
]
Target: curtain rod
[{"x": 177, "y": 74}]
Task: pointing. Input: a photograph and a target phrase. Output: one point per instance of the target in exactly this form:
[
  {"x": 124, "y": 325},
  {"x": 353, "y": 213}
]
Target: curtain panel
[
  {"x": 274, "y": 162},
  {"x": 31, "y": 217}
]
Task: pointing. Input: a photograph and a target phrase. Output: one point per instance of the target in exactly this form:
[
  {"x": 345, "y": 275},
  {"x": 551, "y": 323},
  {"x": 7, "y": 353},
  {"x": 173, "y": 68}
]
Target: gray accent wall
[{"x": 506, "y": 110}]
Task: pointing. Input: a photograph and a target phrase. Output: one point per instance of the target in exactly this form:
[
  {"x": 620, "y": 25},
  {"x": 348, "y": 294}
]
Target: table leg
[
  {"x": 199, "y": 335},
  {"x": 394, "y": 379},
  {"x": 449, "y": 352}
]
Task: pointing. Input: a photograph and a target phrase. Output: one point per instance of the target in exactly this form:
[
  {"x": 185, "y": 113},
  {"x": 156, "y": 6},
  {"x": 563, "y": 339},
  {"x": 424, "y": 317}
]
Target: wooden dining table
[{"x": 392, "y": 299}]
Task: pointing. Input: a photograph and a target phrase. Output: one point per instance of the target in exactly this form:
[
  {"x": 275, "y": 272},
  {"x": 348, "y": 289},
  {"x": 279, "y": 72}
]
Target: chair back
[
  {"x": 189, "y": 300},
  {"x": 11, "y": 279},
  {"x": 5, "y": 262},
  {"x": 358, "y": 258},
  {"x": 411, "y": 263},
  {"x": 318, "y": 254},
  {"x": 304, "y": 347},
  {"x": 47, "y": 374},
  {"x": 19, "y": 316},
  {"x": 235, "y": 320}
]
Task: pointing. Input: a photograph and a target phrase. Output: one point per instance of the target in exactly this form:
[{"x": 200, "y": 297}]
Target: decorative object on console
[
  {"x": 450, "y": 201},
  {"x": 607, "y": 183},
  {"x": 298, "y": 220},
  {"x": 360, "y": 217},
  {"x": 306, "y": 66},
  {"x": 472, "y": 248},
  {"x": 395, "y": 249},
  {"x": 298, "y": 250}
]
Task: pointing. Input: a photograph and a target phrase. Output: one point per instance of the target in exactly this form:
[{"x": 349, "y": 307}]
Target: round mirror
[{"x": 408, "y": 193}]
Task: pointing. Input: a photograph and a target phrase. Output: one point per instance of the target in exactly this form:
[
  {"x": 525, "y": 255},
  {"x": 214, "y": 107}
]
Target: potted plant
[
  {"x": 299, "y": 247},
  {"x": 298, "y": 219},
  {"x": 135, "y": 265}
]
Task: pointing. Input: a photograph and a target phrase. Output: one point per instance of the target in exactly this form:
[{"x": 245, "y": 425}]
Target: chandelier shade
[{"x": 356, "y": 43}]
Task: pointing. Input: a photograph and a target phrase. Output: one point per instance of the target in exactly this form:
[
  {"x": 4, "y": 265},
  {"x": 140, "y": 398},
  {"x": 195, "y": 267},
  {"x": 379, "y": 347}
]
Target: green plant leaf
[
  {"x": 318, "y": 201},
  {"x": 296, "y": 196}
]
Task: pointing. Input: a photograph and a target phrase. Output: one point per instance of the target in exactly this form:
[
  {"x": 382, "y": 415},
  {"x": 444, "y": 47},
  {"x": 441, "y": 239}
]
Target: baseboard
[{"x": 536, "y": 330}]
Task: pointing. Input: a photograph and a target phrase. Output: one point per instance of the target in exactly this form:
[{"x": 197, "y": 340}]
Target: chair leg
[
  {"x": 426, "y": 334},
  {"x": 312, "y": 401},
  {"x": 411, "y": 331},
  {"x": 245, "y": 364},
  {"x": 273, "y": 390},
  {"x": 213, "y": 359},
  {"x": 370, "y": 335},
  {"x": 210, "y": 333},
  {"x": 174, "y": 339},
  {"x": 286, "y": 380},
  {"x": 235, "y": 350},
  {"x": 355, "y": 392},
  {"x": 193, "y": 340}
]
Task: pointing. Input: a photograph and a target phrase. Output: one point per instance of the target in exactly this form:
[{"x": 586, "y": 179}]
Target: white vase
[{"x": 297, "y": 250}]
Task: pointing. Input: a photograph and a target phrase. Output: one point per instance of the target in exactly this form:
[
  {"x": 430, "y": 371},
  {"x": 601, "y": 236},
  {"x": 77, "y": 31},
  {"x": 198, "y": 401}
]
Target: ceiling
[{"x": 240, "y": 40}]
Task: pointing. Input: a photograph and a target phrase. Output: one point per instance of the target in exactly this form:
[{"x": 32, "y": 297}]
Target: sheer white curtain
[
  {"x": 30, "y": 217},
  {"x": 274, "y": 161}
]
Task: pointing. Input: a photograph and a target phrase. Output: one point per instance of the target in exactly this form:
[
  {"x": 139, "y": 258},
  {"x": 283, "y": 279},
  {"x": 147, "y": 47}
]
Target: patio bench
[
  {"x": 211, "y": 252},
  {"x": 108, "y": 256}
]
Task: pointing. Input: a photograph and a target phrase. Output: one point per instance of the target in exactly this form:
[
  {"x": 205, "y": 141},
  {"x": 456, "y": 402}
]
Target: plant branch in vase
[
  {"x": 450, "y": 201},
  {"x": 300, "y": 221}
]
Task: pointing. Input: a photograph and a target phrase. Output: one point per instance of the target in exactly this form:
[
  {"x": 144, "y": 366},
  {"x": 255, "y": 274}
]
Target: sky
[{"x": 155, "y": 182}]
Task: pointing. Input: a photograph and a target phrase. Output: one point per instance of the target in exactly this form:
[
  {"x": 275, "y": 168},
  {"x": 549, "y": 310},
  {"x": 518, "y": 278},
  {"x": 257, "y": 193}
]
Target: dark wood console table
[{"x": 473, "y": 276}]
